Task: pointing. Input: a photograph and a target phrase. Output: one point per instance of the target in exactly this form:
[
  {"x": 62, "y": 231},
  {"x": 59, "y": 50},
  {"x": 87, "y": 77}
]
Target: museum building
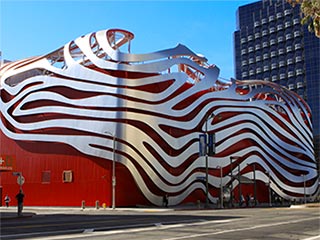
[{"x": 93, "y": 123}]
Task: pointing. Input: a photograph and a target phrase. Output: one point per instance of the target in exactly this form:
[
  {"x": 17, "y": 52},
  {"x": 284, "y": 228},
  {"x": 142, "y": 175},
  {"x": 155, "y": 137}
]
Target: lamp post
[
  {"x": 231, "y": 182},
  {"x": 254, "y": 184},
  {"x": 239, "y": 180},
  {"x": 304, "y": 188},
  {"x": 221, "y": 188},
  {"x": 207, "y": 170},
  {"x": 240, "y": 190},
  {"x": 113, "y": 170},
  {"x": 269, "y": 188}
]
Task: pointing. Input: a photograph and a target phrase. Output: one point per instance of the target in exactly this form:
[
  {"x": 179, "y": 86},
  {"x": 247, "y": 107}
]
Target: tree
[{"x": 310, "y": 10}]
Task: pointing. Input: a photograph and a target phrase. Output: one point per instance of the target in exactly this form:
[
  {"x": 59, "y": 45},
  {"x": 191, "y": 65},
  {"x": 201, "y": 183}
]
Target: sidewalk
[
  {"x": 11, "y": 212},
  {"x": 30, "y": 211}
]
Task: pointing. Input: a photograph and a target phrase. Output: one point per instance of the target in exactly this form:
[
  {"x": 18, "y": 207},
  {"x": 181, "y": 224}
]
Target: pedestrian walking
[
  {"x": 7, "y": 200},
  {"x": 248, "y": 200},
  {"x": 20, "y": 197},
  {"x": 242, "y": 200},
  {"x": 165, "y": 200}
]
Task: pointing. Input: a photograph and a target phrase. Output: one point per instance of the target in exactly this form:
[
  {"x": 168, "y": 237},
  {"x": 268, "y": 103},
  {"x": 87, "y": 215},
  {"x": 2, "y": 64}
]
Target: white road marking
[
  {"x": 163, "y": 227},
  {"x": 312, "y": 238},
  {"x": 133, "y": 230},
  {"x": 242, "y": 229}
]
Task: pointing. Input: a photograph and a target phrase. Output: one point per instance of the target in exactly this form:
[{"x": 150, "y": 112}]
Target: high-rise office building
[{"x": 271, "y": 44}]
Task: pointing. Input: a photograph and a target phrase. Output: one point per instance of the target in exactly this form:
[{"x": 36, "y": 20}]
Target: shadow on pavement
[{"x": 32, "y": 225}]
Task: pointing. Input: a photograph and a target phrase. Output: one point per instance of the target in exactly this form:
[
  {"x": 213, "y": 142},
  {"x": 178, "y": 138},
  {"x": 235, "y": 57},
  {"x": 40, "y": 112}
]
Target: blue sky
[{"x": 30, "y": 28}]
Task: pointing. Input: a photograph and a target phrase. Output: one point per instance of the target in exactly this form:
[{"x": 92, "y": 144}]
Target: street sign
[
  {"x": 201, "y": 178},
  {"x": 20, "y": 180},
  {"x": 7, "y": 163}
]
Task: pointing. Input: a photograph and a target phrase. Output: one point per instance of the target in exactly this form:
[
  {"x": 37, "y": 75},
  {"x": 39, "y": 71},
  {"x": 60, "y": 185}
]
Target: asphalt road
[{"x": 165, "y": 224}]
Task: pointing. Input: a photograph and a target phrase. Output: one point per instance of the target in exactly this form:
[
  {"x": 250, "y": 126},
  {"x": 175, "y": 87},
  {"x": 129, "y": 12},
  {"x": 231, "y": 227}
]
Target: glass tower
[{"x": 271, "y": 44}]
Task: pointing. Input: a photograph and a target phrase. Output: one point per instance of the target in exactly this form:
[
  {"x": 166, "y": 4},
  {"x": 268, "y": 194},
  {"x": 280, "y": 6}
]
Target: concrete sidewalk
[
  {"x": 30, "y": 211},
  {"x": 12, "y": 210}
]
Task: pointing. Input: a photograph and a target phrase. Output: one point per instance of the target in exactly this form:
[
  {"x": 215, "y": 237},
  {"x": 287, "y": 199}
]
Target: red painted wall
[{"x": 91, "y": 178}]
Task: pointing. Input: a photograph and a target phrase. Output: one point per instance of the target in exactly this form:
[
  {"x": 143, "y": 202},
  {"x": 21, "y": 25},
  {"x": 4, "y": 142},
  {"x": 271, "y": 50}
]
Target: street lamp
[
  {"x": 113, "y": 170},
  {"x": 304, "y": 188},
  {"x": 269, "y": 188},
  {"x": 231, "y": 182},
  {"x": 254, "y": 184},
  {"x": 207, "y": 170},
  {"x": 239, "y": 180},
  {"x": 221, "y": 188}
]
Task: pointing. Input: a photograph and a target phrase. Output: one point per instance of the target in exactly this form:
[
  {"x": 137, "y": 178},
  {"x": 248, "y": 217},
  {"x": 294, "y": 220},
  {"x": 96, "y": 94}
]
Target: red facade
[{"x": 91, "y": 177}]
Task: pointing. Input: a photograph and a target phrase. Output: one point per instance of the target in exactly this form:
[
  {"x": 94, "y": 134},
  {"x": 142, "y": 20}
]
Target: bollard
[
  {"x": 97, "y": 204},
  {"x": 83, "y": 204}
]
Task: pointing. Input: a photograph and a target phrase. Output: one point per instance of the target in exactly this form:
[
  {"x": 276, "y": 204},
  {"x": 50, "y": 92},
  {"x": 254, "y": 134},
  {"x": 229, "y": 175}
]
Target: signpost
[{"x": 20, "y": 179}]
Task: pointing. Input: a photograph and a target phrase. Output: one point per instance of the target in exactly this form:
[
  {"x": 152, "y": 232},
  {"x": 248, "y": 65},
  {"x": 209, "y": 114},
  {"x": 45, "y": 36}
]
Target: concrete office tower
[{"x": 271, "y": 44}]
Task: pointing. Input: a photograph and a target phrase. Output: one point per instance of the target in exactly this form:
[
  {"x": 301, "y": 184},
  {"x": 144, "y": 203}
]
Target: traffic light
[
  {"x": 207, "y": 144},
  {"x": 202, "y": 144}
]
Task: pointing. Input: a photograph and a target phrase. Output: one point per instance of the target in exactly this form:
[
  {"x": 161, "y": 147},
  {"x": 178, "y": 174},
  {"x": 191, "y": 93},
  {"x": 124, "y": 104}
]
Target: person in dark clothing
[
  {"x": 248, "y": 200},
  {"x": 20, "y": 197},
  {"x": 165, "y": 200}
]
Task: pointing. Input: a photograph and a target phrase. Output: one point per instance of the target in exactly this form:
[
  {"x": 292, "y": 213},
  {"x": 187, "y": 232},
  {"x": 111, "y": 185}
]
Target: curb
[
  {"x": 310, "y": 205},
  {"x": 6, "y": 216}
]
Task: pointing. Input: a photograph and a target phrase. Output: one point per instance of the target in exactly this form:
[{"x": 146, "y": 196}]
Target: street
[{"x": 165, "y": 224}]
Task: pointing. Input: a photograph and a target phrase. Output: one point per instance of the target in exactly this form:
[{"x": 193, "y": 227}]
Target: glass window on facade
[
  {"x": 279, "y": 26},
  {"x": 298, "y": 59}
]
